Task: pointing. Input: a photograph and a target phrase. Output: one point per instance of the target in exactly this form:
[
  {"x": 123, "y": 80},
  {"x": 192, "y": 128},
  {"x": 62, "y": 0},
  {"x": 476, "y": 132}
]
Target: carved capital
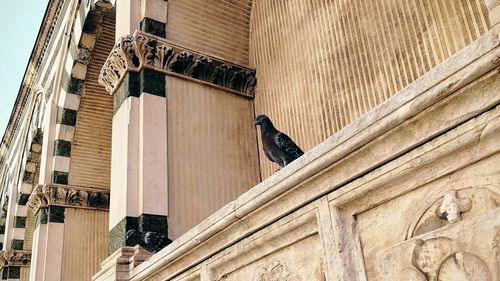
[
  {"x": 141, "y": 50},
  {"x": 45, "y": 195},
  {"x": 14, "y": 258}
]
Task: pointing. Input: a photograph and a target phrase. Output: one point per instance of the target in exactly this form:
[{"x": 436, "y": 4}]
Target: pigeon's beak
[{"x": 255, "y": 124}]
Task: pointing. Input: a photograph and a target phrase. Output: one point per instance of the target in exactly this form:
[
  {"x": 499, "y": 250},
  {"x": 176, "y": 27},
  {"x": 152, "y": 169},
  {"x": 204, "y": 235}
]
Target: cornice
[
  {"x": 40, "y": 47},
  {"x": 141, "y": 50},
  {"x": 15, "y": 258},
  {"x": 45, "y": 195}
]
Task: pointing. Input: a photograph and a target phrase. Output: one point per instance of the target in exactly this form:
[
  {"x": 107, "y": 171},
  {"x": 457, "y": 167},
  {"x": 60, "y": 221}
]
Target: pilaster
[{"x": 49, "y": 203}]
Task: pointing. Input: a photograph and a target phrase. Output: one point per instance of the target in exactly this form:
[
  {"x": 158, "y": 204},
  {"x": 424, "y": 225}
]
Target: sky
[{"x": 20, "y": 22}]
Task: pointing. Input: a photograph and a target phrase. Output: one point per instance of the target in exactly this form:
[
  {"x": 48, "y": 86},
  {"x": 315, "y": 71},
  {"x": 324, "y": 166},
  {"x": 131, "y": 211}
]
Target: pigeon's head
[{"x": 261, "y": 119}]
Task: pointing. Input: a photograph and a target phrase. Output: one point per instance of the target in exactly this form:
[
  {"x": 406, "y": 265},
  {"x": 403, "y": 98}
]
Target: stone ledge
[
  {"x": 351, "y": 153},
  {"x": 45, "y": 195},
  {"x": 142, "y": 50}
]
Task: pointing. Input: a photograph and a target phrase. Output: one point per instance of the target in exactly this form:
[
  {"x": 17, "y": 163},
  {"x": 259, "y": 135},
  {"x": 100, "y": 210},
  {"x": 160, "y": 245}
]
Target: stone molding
[
  {"x": 45, "y": 195},
  {"x": 493, "y": 7},
  {"x": 15, "y": 258},
  {"x": 142, "y": 50}
]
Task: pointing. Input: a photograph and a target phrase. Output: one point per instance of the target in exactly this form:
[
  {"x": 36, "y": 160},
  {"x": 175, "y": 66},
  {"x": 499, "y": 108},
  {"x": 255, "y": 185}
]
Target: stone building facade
[{"x": 131, "y": 155}]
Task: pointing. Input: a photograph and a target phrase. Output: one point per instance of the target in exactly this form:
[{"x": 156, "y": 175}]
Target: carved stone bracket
[
  {"x": 133, "y": 53},
  {"x": 68, "y": 196},
  {"x": 14, "y": 258}
]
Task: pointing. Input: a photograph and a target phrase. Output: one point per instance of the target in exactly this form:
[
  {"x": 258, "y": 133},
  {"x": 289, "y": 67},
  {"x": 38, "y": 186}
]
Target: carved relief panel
[
  {"x": 464, "y": 251},
  {"x": 452, "y": 237},
  {"x": 286, "y": 251},
  {"x": 445, "y": 229}
]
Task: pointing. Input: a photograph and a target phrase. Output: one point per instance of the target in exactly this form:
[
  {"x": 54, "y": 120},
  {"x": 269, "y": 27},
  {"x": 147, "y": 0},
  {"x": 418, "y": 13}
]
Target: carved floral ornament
[
  {"x": 68, "y": 196},
  {"x": 14, "y": 258},
  {"x": 133, "y": 53}
]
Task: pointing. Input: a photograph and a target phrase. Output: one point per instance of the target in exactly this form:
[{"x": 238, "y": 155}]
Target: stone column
[{"x": 139, "y": 148}]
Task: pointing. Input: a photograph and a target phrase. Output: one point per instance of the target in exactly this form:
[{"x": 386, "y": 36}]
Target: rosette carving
[
  {"x": 133, "y": 53},
  {"x": 67, "y": 196}
]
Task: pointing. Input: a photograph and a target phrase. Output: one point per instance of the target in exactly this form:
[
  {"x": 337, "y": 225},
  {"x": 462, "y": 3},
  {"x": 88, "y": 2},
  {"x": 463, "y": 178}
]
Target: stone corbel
[
  {"x": 45, "y": 195},
  {"x": 142, "y": 50},
  {"x": 15, "y": 258}
]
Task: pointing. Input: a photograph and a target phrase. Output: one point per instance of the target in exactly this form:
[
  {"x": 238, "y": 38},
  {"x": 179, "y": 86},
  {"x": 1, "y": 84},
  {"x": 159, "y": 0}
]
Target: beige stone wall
[
  {"x": 211, "y": 151},
  {"x": 216, "y": 27},
  {"x": 322, "y": 64},
  {"x": 85, "y": 243},
  {"x": 91, "y": 149}
]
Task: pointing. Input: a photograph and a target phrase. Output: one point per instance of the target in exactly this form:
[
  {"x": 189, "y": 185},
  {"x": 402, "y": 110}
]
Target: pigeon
[{"x": 277, "y": 146}]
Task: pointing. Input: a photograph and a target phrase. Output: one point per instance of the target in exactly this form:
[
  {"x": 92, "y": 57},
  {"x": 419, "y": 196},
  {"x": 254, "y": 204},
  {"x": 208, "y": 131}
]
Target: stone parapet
[
  {"x": 412, "y": 180},
  {"x": 144, "y": 51}
]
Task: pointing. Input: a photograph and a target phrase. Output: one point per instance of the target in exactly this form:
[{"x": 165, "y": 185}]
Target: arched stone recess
[
  {"x": 18, "y": 253},
  {"x": 72, "y": 82}
]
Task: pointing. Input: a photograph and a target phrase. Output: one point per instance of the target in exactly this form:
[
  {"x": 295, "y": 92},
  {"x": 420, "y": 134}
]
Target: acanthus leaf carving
[
  {"x": 98, "y": 199},
  {"x": 182, "y": 63},
  {"x": 146, "y": 50},
  {"x": 68, "y": 196},
  {"x": 165, "y": 56},
  {"x": 75, "y": 198},
  {"x": 245, "y": 81},
  {"x": 225, "y": 75},
  {"x": 133, "y": 53},
  {"x": 14, "y": 258},
  {"x": 204, "y": 69}
]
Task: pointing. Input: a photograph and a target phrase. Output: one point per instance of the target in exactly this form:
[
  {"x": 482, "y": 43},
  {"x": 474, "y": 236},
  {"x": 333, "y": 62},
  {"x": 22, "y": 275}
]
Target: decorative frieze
[
  {"x": 134, "y": 53},
  {"x": 68, "y": 196},
  {"x": 14, "y": 258}
]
